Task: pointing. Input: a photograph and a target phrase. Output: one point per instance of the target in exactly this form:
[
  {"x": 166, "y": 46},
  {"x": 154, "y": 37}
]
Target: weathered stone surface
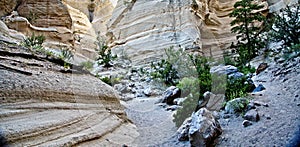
[
  {"x": 142, "y": 29},
  {"x": 7, "y": 6},
  {"x": 252, "y": 115},
  {"x": 44, "y": 13},
  {"x": 276, "y": 5},
  {"x": 102, "y": 12},
  {"x": 204, "y": 128},
  {"x": 247, "y": 123},
  {"x": 44, "y": 105},
  {"x": 170, "y": 94},
  {"x": 216, "y": 29},
  {"x": 215, "y": 102},
  {"x": 9, "y": 35}
]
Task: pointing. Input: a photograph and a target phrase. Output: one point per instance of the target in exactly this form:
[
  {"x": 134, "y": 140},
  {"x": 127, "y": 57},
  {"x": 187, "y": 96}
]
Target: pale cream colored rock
[
  {"x": 216, "y": 30},
  {"x": 142, "y": 29},
  {"x": 40, "y": 105},
  {"x": 9, "y": 35}
]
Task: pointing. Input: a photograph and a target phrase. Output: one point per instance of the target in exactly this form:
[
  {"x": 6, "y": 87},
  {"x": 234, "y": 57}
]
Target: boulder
[
  {"x": 212, "y": 102},
  {"x": 147, "y": 91},
  {"x": 247, "y": 123},
  {"x": 236, "y": 105},
  {"x": 252, "y": 115},
  {"x": 183, "y": 131},
  {"x": 170, "y": 94},
  {"x": 204, "y": 128},
  {"x": 259, "y": 88}
]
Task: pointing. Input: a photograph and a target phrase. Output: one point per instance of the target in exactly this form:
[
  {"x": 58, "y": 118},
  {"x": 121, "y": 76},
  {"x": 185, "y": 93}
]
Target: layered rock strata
[{"x": 43, "y": 104}]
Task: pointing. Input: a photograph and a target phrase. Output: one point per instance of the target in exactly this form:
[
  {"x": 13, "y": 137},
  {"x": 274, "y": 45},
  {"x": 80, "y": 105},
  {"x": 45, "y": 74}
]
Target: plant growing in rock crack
[
  {"x": 246, "y": 19},
  {"x": 34, "y": 43},
  {"x": 32, "y": 17},
  {"x": 104, "y": 52}
]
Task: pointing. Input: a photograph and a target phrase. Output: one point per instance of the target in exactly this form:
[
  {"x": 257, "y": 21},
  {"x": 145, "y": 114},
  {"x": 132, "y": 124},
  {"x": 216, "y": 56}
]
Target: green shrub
[
  {"x": 201, "y": 84},
  {"x": 165, "y": 71},
  {"x": 202, "y": 67},
  {"x": 189, "y": 105},
  {"x": 66, "y": 55},
  {"x": 246, "y": 69},
  {"x": 104, "y": 52},
  {"x": 286, "y": 26},
  {"x": 34, "y": 43},
  {"x": 188, "y": 85},
  {"x": 236, "y": 88},
  {"x": 32, "y": 17},
  {"x": 219, "y": 83},
  {"x": 88, "y": 65},
  {"x": 106, "y": 80}
]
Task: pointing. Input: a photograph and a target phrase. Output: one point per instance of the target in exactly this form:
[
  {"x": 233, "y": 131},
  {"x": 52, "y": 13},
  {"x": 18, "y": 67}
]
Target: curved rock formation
[
  {"x": 42, "y": 104},
  {"x": 142, "y": 29}
]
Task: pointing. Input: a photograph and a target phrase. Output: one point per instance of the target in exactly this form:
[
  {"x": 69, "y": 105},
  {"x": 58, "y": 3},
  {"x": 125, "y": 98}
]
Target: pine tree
[{"x": 245, "y": 25}]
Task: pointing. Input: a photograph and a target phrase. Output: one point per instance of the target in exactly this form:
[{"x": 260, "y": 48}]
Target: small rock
[
  {"x": 178, "y": 101},
  {"x": 258, "y": 103},
  {"x": 268, "y": 117},
  {"x": 259, "y": 88},
  {"x": 236, "y": 75},
  {"x": 261, "y": 67},
  {"x": 170, "y": 94},
  {"x": 221, "y": 69},
  {"x": 298, "y": 104},
  {"x": 250, "y": 84},
  {"x": 225, "y": 116},
  {"x": 252, "y": 115},
  {"x": 172, "y": 108},
  {"x": 250, "y": 106},
  {"x": 247, "y": 123},
  {"x": 147, "y": 92},
  {"x": 131, "y": 84},
  {"x": 297, "y": 95}
]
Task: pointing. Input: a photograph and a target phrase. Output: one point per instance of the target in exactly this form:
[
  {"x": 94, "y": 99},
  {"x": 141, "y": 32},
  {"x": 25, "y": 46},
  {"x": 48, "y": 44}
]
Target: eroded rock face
[
  {"x": 276, "y": 5},
  {"x": 65, "y": 24},
  {"x": 142, "y": 29},
  {"x": 7, "y": 6},
  {"x": 43, "y": 13},
  {"x": 42, "y": 104},
  {"x": 201, "y": 129}
]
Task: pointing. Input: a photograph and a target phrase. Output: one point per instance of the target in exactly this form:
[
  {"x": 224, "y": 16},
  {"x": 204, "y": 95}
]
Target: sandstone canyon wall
[
  {"x": 142, "y": 29},
  {"x": 65, "y": 24}
]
